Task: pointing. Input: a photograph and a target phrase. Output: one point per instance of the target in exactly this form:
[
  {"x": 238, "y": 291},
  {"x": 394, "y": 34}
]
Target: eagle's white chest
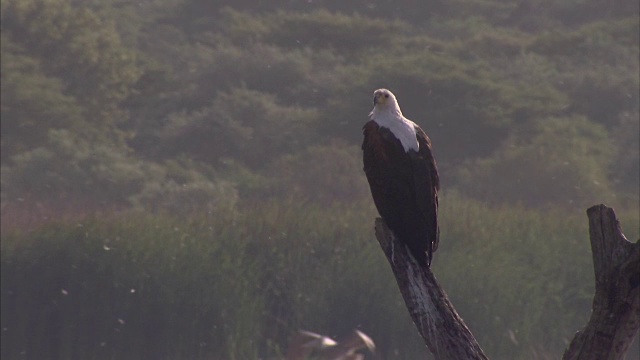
[{"x": 401, "y": 127}]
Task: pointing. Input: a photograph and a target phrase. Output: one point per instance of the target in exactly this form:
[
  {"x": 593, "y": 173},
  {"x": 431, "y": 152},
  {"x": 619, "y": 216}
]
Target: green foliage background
[{"x": 182, "y": 178}]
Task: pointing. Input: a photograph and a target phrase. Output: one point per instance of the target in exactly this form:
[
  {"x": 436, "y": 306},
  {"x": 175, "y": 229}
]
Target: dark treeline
[
  {"x": 239, "y": 111},
  {"x": 184, "y": 104}
]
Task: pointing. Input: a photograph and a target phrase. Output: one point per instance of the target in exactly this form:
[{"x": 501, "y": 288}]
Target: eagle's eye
[{"x": 386, "y": 96}]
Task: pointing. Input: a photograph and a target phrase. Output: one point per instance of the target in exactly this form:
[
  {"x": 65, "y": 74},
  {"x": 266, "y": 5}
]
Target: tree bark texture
[
  {"x": 443, "y": 331},
  {"x": 615, "y": 316}
]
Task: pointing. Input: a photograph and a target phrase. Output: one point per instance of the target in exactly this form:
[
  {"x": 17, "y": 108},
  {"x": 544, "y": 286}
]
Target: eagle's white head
[
  {"x": 385, "y": 102},
  {"x": 386, "y": 113}
]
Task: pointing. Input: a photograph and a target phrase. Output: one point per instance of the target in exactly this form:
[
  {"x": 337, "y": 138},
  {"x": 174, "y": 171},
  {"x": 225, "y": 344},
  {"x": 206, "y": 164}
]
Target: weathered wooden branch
[
  {"x": 614, "y": 322},
  {"x": 443, "y": 331},
  {"x": 615, "y": 316}
]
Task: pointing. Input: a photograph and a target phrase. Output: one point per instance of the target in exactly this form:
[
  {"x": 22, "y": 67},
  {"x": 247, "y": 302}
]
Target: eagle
[{"x": 402, "y": 175}]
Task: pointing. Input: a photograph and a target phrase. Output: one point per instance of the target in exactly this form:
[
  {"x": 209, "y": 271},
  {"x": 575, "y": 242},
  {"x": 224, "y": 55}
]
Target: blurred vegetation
[
  {"x": 237, "y": 285},
  {"x": 205, "y": 154}
]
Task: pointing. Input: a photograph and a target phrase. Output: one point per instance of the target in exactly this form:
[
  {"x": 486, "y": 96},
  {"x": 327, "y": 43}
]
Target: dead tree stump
[{"x": 615, "y": 316}]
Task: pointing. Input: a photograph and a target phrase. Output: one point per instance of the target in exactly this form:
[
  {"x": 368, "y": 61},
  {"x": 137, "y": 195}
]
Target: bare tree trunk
[
  {"x": 616, "y": 305},
  {"x": 615, "y": 317},
  {"x": 443, "y": 331}
]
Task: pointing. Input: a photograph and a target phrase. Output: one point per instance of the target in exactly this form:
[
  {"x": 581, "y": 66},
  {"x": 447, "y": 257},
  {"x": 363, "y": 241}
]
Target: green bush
[
  {"x": 561, "y": 161},
  {"x": 329, "y": 167},
  {"x": 69, "y": 166},
  {"x": 247, "y": 125}
]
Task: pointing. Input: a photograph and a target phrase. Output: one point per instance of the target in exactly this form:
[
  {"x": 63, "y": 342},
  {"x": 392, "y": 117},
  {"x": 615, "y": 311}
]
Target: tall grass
[
  {"x": 522, "y": 279},
  {"x": 237, "y": 285}
]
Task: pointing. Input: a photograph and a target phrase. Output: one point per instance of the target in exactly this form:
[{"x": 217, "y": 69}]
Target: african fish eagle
[{"x": 402, "y": 175}]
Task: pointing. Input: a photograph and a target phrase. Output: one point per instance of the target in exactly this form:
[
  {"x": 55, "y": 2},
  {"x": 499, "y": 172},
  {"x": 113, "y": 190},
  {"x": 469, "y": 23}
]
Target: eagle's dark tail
[
  {"x": 421, "y": 251},
  {"x": 432, "y": 246},
  {"x": 418, "y": 251}
]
